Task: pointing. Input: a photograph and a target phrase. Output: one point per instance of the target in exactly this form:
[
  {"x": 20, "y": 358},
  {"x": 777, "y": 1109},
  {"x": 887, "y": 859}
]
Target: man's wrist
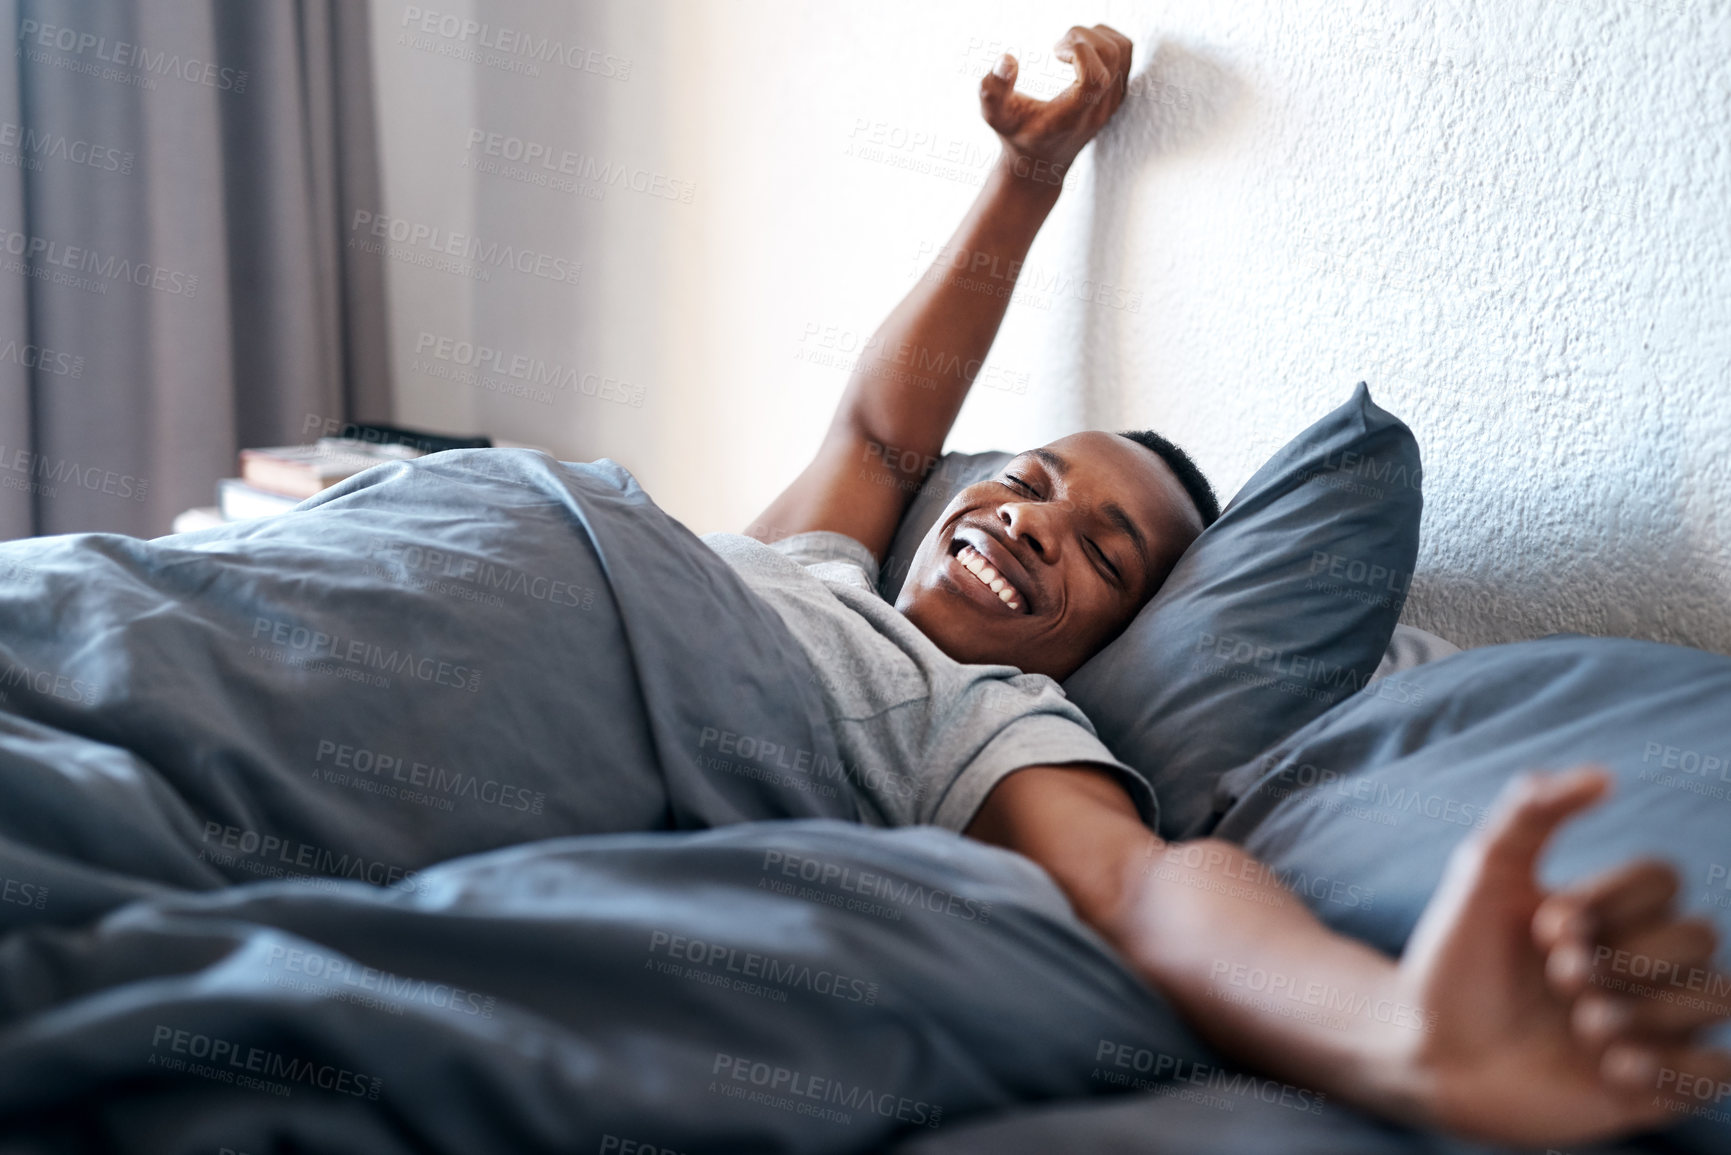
[
  {"x": 1396, "y": 1058},
  {"x": 1028, "y": 178},
  {"x": 1392, "y": 1071}
]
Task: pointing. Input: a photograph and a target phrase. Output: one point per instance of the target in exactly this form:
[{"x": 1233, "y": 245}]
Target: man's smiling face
[{"x": 1075, "y": 537}]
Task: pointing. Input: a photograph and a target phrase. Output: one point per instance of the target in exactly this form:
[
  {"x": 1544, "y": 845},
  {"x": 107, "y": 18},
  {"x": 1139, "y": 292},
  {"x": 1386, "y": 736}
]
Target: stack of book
[{"x": 276, "y": 479}]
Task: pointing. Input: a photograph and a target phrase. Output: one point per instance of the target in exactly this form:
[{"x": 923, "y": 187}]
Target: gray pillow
[{"x": 1282, "y": 607}]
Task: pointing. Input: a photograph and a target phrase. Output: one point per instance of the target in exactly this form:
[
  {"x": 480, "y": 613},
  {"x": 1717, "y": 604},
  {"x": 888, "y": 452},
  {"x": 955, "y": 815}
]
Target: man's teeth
[{"x": 982, "y": 569}]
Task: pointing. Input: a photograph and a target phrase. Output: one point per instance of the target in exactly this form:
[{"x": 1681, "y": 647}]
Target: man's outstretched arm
[
  {"x": 898, "y": 408},
  {"x": 1491, "y": 1025}
]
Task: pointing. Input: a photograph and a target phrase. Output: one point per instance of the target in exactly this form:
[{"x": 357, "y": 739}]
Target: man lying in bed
[{"x": 1489, "y": 1026}]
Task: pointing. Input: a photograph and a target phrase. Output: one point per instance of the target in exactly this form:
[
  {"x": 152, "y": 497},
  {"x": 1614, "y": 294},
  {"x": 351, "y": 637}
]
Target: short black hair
[{"x": 1189, "y": 476}]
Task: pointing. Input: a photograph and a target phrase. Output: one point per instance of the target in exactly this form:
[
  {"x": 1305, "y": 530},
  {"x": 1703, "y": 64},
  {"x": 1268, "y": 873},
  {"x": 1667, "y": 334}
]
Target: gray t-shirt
[{"x": 924, "y": 737}]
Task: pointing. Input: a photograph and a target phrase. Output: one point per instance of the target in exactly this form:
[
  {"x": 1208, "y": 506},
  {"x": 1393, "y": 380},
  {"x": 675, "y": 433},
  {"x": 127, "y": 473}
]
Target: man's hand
[
  {"x": 1497, "y": 1029},
  {"x": 1042, "y": 137},
  {"x": 1533, "y": 1039}
]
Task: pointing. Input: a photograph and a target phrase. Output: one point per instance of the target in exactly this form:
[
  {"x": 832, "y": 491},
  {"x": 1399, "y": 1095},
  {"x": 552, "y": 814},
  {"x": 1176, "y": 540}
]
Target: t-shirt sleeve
[
  {"x": 818, "y": 546},
  {"x": 1054, "y": 732}
]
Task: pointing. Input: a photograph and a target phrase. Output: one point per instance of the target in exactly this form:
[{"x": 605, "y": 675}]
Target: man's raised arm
[
  {"x": 1497, "y": 1022},
  {"x": 908, "y": 386}
]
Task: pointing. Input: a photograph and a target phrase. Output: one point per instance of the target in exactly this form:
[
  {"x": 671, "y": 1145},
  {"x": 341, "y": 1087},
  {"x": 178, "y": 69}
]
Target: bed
[{"x": 441, "y": 815}]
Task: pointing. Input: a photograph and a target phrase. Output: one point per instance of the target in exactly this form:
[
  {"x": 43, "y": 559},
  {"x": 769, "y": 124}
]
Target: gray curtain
[{"x": 174, "y": 178}]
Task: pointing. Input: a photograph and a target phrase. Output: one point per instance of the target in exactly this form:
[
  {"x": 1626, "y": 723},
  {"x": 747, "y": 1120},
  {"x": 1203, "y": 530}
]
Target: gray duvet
[
  {"x": 476, "y": 650},
  {"x": 435, "y": 816}
]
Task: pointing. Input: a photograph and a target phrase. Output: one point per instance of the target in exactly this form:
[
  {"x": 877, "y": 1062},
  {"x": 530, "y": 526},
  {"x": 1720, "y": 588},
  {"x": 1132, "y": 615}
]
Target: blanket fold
[{"x": 434, "y": 658}]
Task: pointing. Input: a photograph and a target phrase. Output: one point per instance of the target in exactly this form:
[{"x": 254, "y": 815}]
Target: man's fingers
[
  {"x": 1082, "y": 48},
  {"x": 1655, "y": 984},
  {"x": 1099, "y": 86},
  {"x": 1115, "y": 50},
  {"x": 1112, "y": 36},
  {"x": 1682, "y": 1079},
  {"x": 1666, "y": 1016},
  {"x": 1619, "y": 902},
  {"x": 999, "y": 102},
  {"x": 1655, "y": 954},
  {"x": 1529, "y": 812},
  {"x": 1058, "y": 127},
  {"x": 1576, "y": 925},
  {"x": 1108, "y": 46}
]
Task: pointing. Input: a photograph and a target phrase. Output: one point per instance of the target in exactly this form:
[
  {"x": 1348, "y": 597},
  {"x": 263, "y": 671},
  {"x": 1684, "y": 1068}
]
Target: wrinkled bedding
[
  {"x": 476, "y": 806},
  {"x": 432, "y": 659},
  {"x": 808, "y": 986}
]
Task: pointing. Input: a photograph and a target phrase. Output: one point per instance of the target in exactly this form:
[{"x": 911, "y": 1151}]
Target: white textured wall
[{"x": 1510, "y": 218}]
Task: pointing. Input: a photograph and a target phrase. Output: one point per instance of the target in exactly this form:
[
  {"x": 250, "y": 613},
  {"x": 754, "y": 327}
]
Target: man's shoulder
[{"x": 828, "y": 555}]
